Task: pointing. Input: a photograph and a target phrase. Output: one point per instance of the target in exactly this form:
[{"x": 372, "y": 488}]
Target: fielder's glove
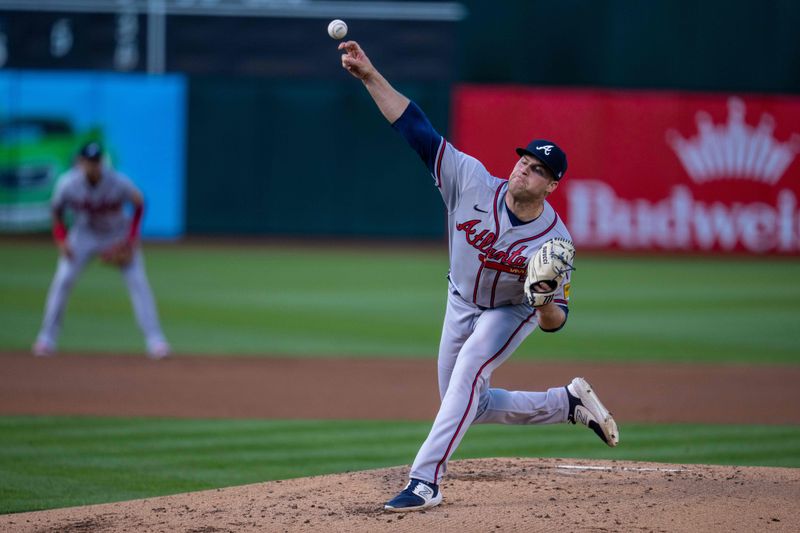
[
  {"x": 546, "y": 271},
  {"x": 119, "y": 255}
]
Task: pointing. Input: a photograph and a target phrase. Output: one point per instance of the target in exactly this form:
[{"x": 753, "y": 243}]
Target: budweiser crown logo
[{"x": 734, "y": 150}]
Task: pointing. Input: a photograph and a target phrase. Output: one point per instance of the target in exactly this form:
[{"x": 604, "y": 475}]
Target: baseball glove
[
  {"x": 546, "y": 271},
  {"x": 119, "y": 254}
]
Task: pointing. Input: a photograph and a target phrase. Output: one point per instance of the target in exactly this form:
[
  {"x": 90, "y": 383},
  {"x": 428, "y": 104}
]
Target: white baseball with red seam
[{"x": 337, "y": 29}]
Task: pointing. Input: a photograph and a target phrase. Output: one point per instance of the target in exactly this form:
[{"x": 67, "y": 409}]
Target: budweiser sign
[
  {"x": 599, "y": 218},
  {"x": 653, "y": 171}
]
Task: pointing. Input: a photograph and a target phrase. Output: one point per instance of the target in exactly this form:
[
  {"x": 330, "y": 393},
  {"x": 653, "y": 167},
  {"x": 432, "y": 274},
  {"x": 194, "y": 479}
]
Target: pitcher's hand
[{"x": 355, "y": 61}]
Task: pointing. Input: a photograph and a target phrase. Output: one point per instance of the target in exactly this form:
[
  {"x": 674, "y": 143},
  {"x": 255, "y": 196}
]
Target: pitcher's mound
[{"x": 479, "y": 495}]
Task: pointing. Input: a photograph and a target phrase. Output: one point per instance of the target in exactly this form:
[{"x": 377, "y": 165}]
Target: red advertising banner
[{"x": 652, "y": 170}]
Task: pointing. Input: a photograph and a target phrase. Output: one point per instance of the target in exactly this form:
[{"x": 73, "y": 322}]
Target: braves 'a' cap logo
[{"x": 546, "y": 148}]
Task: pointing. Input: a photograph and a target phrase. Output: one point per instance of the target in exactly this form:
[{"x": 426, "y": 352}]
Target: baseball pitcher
[
  {"x": 511, "y": 259},
  {"x": 96, "y": 194}
]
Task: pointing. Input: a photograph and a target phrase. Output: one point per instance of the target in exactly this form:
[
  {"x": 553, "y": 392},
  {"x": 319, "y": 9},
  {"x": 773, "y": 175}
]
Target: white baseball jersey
[
  {"x": 488, "y": 254},
  {"x": 489, "y": 247},
  {"x": 98, "y": 209}
]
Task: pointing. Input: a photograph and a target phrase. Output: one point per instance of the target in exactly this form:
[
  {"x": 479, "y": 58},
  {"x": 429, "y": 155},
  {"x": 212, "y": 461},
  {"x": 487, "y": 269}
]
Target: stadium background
[{"x": 246, "y": 121}]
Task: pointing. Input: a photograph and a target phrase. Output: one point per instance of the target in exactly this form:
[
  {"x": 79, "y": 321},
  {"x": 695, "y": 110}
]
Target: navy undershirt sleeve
[{"x": 418, "y": 132}]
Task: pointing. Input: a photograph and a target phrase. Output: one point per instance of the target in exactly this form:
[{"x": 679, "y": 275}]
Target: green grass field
[
  {"x": 303, "y": 302},
  {"x": 296, "y": 301},
  {"x": 63, "y": 461}
]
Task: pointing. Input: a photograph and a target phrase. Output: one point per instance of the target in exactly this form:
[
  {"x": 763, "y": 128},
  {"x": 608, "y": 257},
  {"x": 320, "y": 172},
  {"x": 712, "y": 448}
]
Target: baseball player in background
[
  {"x": 97, "y": 194},
  {"x": 510, "y": 263}
]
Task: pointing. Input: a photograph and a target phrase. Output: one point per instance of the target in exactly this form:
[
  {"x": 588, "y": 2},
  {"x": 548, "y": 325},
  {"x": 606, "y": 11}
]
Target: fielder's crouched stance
[
  {"x": 96, "y": 194},
  {"x": 510, "y": 263}
]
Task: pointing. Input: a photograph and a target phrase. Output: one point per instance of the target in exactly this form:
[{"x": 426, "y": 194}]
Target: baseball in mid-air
[{"x": 337, "y": 29}]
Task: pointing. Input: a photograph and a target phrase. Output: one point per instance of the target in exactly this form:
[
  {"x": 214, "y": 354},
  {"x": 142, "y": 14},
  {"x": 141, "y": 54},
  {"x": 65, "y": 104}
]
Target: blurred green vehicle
[{"x": 34, "y": 152}]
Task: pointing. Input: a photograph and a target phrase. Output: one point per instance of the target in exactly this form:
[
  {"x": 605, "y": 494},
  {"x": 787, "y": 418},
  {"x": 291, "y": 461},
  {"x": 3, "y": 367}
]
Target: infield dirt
[
  {"x": 254, "y": 387},
  {"x": 480, "y": 495}
]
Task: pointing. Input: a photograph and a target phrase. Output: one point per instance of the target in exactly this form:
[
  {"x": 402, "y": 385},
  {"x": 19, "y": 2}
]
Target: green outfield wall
[{"x": 292, "y": 158}]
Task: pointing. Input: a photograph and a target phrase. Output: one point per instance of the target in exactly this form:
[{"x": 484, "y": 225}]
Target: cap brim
[{"x": 523, "y": 151}]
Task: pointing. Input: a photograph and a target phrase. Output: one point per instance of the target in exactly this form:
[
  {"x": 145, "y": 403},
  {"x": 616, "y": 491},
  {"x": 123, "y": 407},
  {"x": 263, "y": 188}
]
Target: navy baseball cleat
[
  {"x": 585, "y": 407},
  {"x": 417, "y": 495}
]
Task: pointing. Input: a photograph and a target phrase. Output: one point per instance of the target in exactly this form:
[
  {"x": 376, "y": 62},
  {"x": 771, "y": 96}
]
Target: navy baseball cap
[
  {"x": 91, "y": 151},
  {"x": 548, "y": 153}
]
